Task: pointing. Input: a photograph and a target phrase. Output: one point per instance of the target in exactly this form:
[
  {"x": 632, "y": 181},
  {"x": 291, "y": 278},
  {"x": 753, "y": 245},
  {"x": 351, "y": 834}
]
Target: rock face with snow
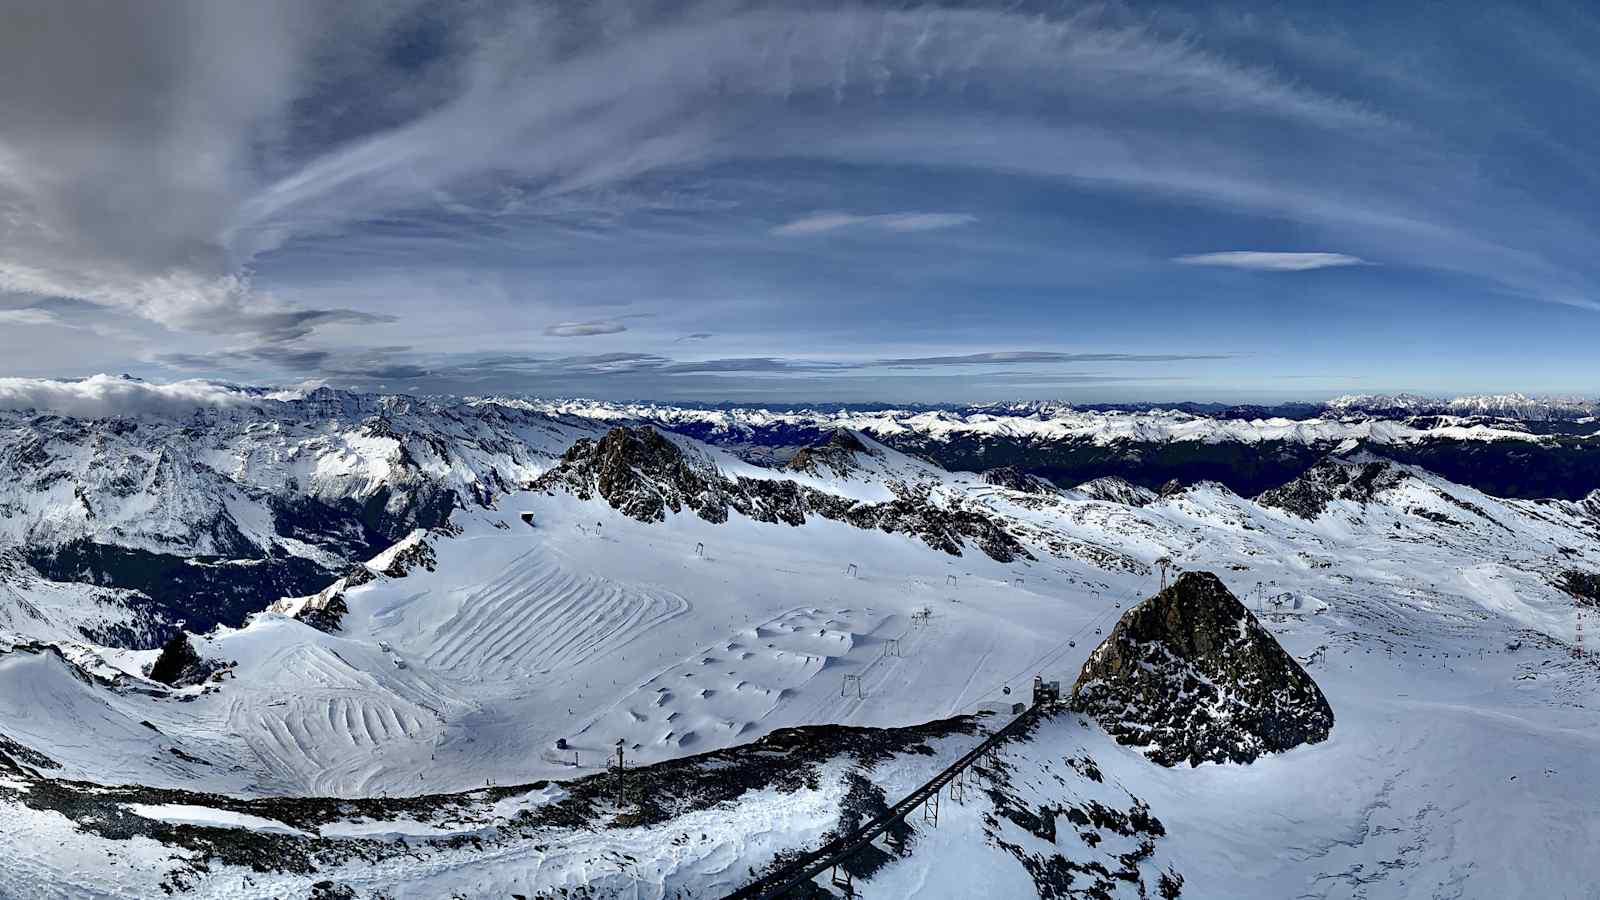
[
  {"x": 643, "y": 475},
  {"x": 1015, "y": 479},
  {"x": 1364, "y": 479},
  {"x": 1189, "y": 675},
  {"x": 178, "y": 663},
  {"x": 836, "y": 455},
  {"x": 1112, "y": 489},
  {"x": 1359, "y": 481}
]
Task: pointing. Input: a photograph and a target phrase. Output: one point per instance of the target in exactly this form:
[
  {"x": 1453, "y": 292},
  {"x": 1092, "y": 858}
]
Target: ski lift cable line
[{"x": 1050, "y": 655}]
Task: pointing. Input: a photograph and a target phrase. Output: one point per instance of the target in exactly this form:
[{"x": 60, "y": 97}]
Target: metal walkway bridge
[{"x": 836, "y": 851}]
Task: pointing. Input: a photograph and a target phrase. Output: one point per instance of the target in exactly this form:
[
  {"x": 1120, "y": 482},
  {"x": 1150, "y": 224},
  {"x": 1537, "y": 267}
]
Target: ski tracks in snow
[{"x": 535, "y": 617}]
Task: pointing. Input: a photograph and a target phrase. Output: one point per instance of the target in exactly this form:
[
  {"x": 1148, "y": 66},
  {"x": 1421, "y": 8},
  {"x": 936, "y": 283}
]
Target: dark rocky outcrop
[
  {"x": 1357, "y": 480},
  {"x": 643, "y": 475},
  {"x": 179, "y": 664},
  {"x": 837, "y": 454},
  {"x": 1015, "y": 479},
  {"x": 1584, "y": 586},
  {"x": 1189, "y": 675},
  {"x": 326, "y": 609},
  {"x": 639, "y": 473},
  {"x": 328, "y": 615},
  {"x": 1364, "y": 479},
  {"x": 418, "y": 553},
  {"x": 1112, "y": 489}
]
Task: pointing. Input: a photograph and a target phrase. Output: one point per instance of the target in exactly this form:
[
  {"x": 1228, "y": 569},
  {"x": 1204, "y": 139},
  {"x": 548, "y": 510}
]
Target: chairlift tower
[
  {"x": 1577, "y": 640},
  {"x": 846, "y": 682},
  {"x": 620, "y": 769}
]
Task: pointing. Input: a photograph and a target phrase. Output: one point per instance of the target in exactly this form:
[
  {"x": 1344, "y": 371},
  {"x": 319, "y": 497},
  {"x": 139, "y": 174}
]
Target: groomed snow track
[{"x": 836, "y": 851}]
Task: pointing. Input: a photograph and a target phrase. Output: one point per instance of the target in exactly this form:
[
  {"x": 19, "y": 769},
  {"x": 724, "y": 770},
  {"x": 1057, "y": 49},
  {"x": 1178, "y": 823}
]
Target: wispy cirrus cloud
[
  {"x": 1003, "y": 357},
  {"x": 891, "y": 222},
  {"x": 246, "y": 175},
  {"x": 29, "y": 317},
  {"x": 585, "y": 329},
  {"x": 1266, "y": 261}
]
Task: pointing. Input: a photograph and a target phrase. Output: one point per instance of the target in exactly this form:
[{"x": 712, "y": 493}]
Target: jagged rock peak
[
  {"x": 1359, "y": 479},
  {"x": 1189, "y": 675},
  {"x": 837, "y": 453},
  {"x": 1017, "y": 480},
  {"x": 179, "y": 664},
  {"x": 639, "y": 471},
  {"x": 1113, "y": 489}
]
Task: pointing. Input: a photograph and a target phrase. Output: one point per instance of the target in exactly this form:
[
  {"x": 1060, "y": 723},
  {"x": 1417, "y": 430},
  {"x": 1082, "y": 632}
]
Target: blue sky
[{"x": 805, "y": 201}]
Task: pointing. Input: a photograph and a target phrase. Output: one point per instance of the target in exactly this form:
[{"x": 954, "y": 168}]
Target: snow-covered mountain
[
  {"x": 448, "y": 617},
  {"x": 215, "y": 512},
  {"x": 779, "y": 650},
  {"x": 1037, "y": 422},
  {"x": 1482, "y": 445},
  {"x": 1501, "y": 406}
]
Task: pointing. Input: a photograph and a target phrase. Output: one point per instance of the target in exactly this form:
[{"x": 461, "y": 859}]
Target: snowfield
[{"x": 500, "y": 652}]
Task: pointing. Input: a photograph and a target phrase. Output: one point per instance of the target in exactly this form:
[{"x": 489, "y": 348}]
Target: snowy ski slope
[{"x": 1460, "y": 763}]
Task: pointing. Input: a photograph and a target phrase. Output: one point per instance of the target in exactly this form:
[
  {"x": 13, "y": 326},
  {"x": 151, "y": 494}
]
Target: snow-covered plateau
[{"x": 426, "y": 629}]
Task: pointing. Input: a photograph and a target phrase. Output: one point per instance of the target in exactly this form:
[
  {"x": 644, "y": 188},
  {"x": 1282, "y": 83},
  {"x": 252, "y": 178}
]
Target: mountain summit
[{"x": 1190, "y": 675}]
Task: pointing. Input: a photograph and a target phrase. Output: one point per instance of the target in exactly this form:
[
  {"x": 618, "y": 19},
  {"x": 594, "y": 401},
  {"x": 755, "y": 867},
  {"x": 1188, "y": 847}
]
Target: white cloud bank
[
  {"x": 1263, "y": 261},
  {"x": 109, "y": 395}
]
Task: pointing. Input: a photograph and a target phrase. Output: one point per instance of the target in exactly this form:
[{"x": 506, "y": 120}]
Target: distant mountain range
[
  {"x": 206, "y": 513},
  {"x": 1536, "y": 453},
  {"x": 1506, "y": 406}
]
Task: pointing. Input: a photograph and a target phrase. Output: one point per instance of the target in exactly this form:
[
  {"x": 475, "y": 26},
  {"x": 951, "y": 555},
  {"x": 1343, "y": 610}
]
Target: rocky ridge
[{"x": 643, "y": 474}]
